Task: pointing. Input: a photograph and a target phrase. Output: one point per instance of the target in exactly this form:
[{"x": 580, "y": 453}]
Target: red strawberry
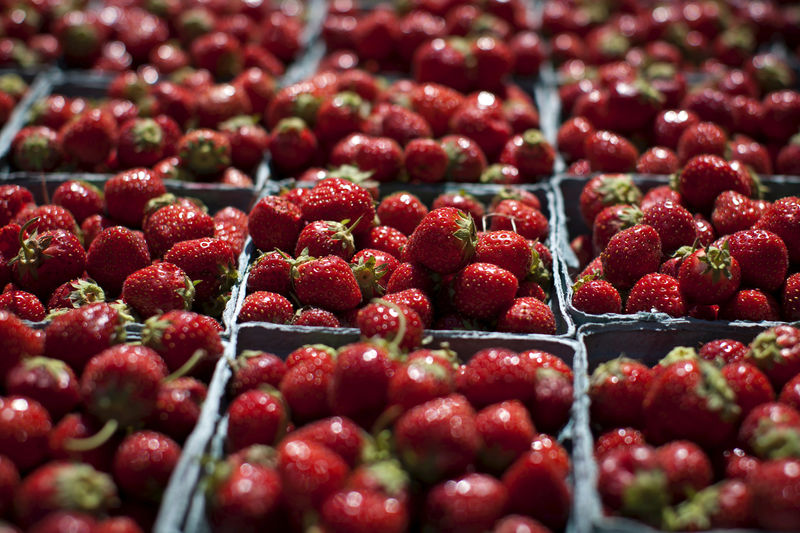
[
  {"x": 444, "y": 62},
  {"x": 178, "y": 336},
  {"x": 271, "y": 273},
  {"x": 315, "y": 279},
  {"x": 617, "y": 389},
  {"x": 12, "y": 199},
  {"x": 117, "y": 524},
  {"x": 774, "y": 486},
  {"x": 506, "y": 430},
  {"x": 141, "y": 143},
  {"x": 114, "y": 254},
  {"x": 723, "y": 351},
  {"x": 437, "y": 104},
  {"x": 385, "y": 239},
  {"x": 483, "y": 122},
  {"x": 787, "y": 161},
  {"x": 790, "y": 297},
  {"x": 461, "y": 200},
  {"x": 382, "y": 320},
  {"x": 686, "y": 466},
  {"x": 418, "y": 381},
  {"x": 262, "y": 306},
  {"x": 425, "y": 160},
  {"x": 657, "y": 160},
  {"x": 527, "y": 315},
  {"x": 157, "y": 289},
  {"x": 89, "y": 138},
  {"x": 617, "y": 438},
  {"x": 75, "y": 336},
  {"x": 175, "y": 223},
  {"x": 339, "y": 116},
  {"x": 213, "y": 105},
  {"x": 292, "y": 145},
  {"x": 775, "y": 352},
  {"x": 608, "y": 152},
  {"x": 640, "y": 242},
  {"x": 178, "y": 407},
  {"x": 47, "y": 260},
  {"x": 686, "y": 400},
  {"x": 527, "y": 221},
  {"x": 450, "y": 233},
  {"x": 531, "y": 154},
  {"x": 143, "y": 464},
  {"x": 64, "y": 521},
  {"x": 402, "y": 211},
  {"x": 36, "y": 149},
  {"x": 230, "y": 225},
  {"x": 751, "y": 304},
  {"x": 310, "y": 472},
  {"x": 471, "y": 503},
  {"x": 254, "y": 368},
  {"x": 24, "y": 428},
  {"x": 750, "y": 385},
  {"x": 45, "y": 218},
  {"x": 314, "y": 316},
  {"x": 128, "y": 193},
  {"x": 571, "y": 137},
  {"x": 48, "y": 381},
  {"x": 674, "y": 224},
  {"x": 466, "y": 159},
  {"x": 209, "y": 262},
  {"x": 595, "y": 296},
  {"x": 9, "y": 482},
  {"x": 205, "y": 152},
  {"x": 538, "y": 476},
  {"x": 322, "y": 238},
  {"x": 781, "y": 115},
  {"x": 59, "y": 486},
  {"x": 81, "y": 199},
  {"x": 702, "y": 138},
  {"x": 506, "y": 249},
  {"x": 483, "y": 290},
  {"x": 632, "y": 482},
  {"x": 516, "y": 523},
  {"x": 305, "y": 388},
  {"x": 780, "y": 219},
  {"x": 397, "y": 123},
  {"x": 340, "y": 435},
  {"x": 734, "y": 212},
  {"x": 257, "y": 416},
  {"x": 23, "y": 304},
  {"x": 427, "y": 446},
  {"x": 657, "y": 195},
  {"x": 274, "y": 223},
  {"x": 658, "y": 293},
  {"x": 705, "y": 177},
  {"x": 339, "y": 199},
  {"x": 605, "y": 190},
  {"x": 357, "y": 511},
  {"x": 360, "y": 380}
]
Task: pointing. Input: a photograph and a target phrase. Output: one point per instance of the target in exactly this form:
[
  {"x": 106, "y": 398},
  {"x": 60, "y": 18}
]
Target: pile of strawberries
[
  {"x": 703, "y": 247},
  {"x": 91, "y": 427},
  {"x": 222, "y": 37},
  {"x": 330, "y": 251},
  {"x": 700, "y": 441},
  {"x": 376, "y": 437},
  {"x": 132, "y": 242}
]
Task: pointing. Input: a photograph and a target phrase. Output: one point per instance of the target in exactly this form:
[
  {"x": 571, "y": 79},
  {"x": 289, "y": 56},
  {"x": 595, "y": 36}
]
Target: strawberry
[
  {"x": 128, "y": 193},
  {"x": 23, "y": 304},
  {"x": 427, "y": 447},
  {"x": 413, "y": 299},
  {"x": 24, "y": 428},
  {"x": 402, "y": 211},
  {"x": 632, "y": 482},
  {"x": 674, "y": 224},
  {"x": 527, "y": 315},
  {"x": 611, "y": 220},
  {"x": 505, "y": 249},
  {"x": 117, "y": 524},
  {"x": 443, "y": 61},
  {"x": 47, "y": 260},
  {"x": 786, "y": 162},
  {"x": 271, "y": 273},
  {"x": 466, "y": 159},
  {"x": 262, "y": 306},
  {"x": 48, "y": 381},
  {"x": 44, "y": 218},
  {"x": 12, "y": 199},
  {"x": 531, "y": 154},
  {"x": 210, "y": 262},
  {"x": 473, "y": 502},
  {"x": 215, "y": 104},
  {"x": 383, "y": 320},
  {"x": 781, "y": 115},
  {"x": 506, "y": 431},
  {"x": 728, "y": 504},
  {"x": 571, "y": 137},
  {"x": 609, "y": 152},
  {"x": 360, "y": 382},
  {"x": 79, "y": 197},
  {"x": 658, "y": 293},
  {"x": 305, "y": 388},
  {"x": 9, "y": 481},
  {"x": 89, "y": 138},
  {"x": 734, "y": 212},
  {"x": 418, "y": 381},
  {"x": 448, "y": 231},
  {"x": 710, "y": 275},
  {"x": 751, "y": 153},
  {"x": 173, "y": 224},
  {"x": 78, "y": 334},
  {"x": 178, "y": 336},
  {"x": 292, "y": 145},
  {"x": 751, "y": 304},
  {"x": 310, "y": 472},
  {"x": 790, "y": 297},
  {"x": 723, "y": 351},
  {"x": 705, "y": 177},
  {"x": 313, "y": 283},
  {"x": 543, "y": 481},
  {"x": 340, "y": 435},
  {"x": 178, "y": 407},
  {"x": 595, "y": 296},
  {"x": 515, "y": 215},
  {"x": 702, "y": 138},
  {"x": 774, "y": 494},
  {"x": 483, "y": 290},
  {"x": 357, "y": 511},
  {"x": 314, "y": 316},
  {"x": 248, "y": 141},
  {"x": 159, "y": 288},
  {"x": 686, "y": 400},
  {"x": 141, "y": 143},
  {"x": 205, "y": 152},
  {"x": 686, "y": 466},
  {"x": 790, "y": 394},
  {"x": 639, "y": 241},
  {"x": 340, "y": 115},
  {"x": 339, "y": 199},
  {"x": 36, "y": 149},
  {"x": 425, "y": 160},
  {"x": 616, "y": 390},
  {"x": 397, "y": 123},
  {"x": 143, "y": 464},
  {"x": 230, "y": 225},
  {"x": 605, "y": 190},
  {"x": 257, "y": 416},
  {"x": 322, "y": 238},
  {"x": 274, "y": 223},
  {"x": 254, "y": 368},
  {"x": 780, "y": 219},
  {"x": 750, "y": 385},
  {"x": 461, "y": 200},
  {"x": 657, "y": 160},
  {"x": 773, "y": 351},
  {"x": 62, "y": 486},
  {"x": 482, "y": 121},
  {"x": 516, "y": 523},
  {"x": 114, "y": 254},
  {"x": 617, "y": 438},
  {"x": 633, "y": 104},
  {"x": 64, "y": 521}
]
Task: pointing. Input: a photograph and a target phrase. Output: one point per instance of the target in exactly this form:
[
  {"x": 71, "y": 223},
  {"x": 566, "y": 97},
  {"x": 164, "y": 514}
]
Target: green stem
[
  {"x": 95, "y": 441},
  {"x": 186, "y": 367}
]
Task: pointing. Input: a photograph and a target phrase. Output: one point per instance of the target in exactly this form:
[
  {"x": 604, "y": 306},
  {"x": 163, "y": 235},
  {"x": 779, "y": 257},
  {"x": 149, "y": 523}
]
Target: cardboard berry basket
[
  {"x": 427, "y": 193},
  {"x": 567, "y": 190},
  {"x": 648, "y": 342},
  {"x": 190, "y": 514},
  {"x": 43, "y": 185}
]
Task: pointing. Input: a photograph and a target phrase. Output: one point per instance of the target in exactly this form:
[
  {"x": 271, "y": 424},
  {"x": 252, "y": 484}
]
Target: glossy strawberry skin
[
  {"x": 158, "y": 288},
  {"x": 114, "y": 254}
]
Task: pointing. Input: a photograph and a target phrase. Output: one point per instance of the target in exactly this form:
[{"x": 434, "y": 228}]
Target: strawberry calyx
[
  {"x": 351, "y": 101},
  {"x": 775, "y": 441},
  {"x": 260, "y": 454},
  {"x": 717, "y": 261},
  {"x": 153, "y": 332},
  {"x": 660, "y": 71},
  {"x": 538, "y": 271},
  {"x": 693, "y": 514},
  {"x": 679, "y": 353},
  {"x": 12, "y": 83},
  {"x": 739, "y": 37},
  {"x": 147, "y": 135},
  {"x": 86, "y": 292},
  {"x": 37, "y": 151},
  {"x": 492, "y": 174},
  {"x": 351, "y": 173},
  {"x": 306, "y": 106},
  {"x": 646, "y": 495},
  {"x": 466, "y": 233},
  {"x": 613, "y": 43},
  {"x": 342, "y": 232},
  {"x": 584, "y": 280},
  {"x": 124, "y": 315},
  {"x": 533, "y": 138},
  {"x": 55, "y": 367},
  {"x": 291, "y": 125},
  {"x": 714, "y": 388},
  {"x": 367, "y": 275},
  {"x": 205, "y": 156},
  {"x": 238, "y": 122},
  {"x": 31, "y": 251},
  {"x": 630, "y": 216},
  {"x": 619, "y": 190},
  {"x": 82, "y": 39},
  {"x": 773, "y": 76},
  {"x": 187, "y": 292},
  {"x": 647, "y": 93},
  {"x": 609, "y": 371},
  {"x": 81, "y": 487},
  {"x": 391, "y": 477}
]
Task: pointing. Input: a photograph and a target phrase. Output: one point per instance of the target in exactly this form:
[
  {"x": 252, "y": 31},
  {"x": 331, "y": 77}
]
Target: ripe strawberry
[
  {"x": 790, "y": 297},
  {"x": 418, "y": 381},
  {"x": 254, "y": 368},
  {"x": 781, "y": 115},
  {"x": 531, "y": 154},
  {"x": 427, "y": 446},
  {"x": 271, "y": 273},
  {"x": 709, "y": 276},
  {"x": 686, "y": 400},
  {"x": 595, "y": 296},
  {"x": 383, "y": 320},
  {"x": 483, "y": 290},
  {"x": 775, "y": 352},
  {"x": 674, "y": 224},
  {"x": 506, "y": 431},
  {"x": 397, "y": 123},
  {"x": 632, "y": 482},
  {"x": 292, "y": 145},
  {"x": 605, "y": 190},
  {"x": 723, "y": 351},
  {"x": 762, "y": 256},
  {"x": 248, "y": 141},
  {"x": 45, "y": 217},
  {"x": 450, "y": 233},
  {"x": 340, "y": 115},
  {"x": 657, "y": 195},
  {"x": 571, "y": 137},
  {"x": 257, "y": 416},
  {"x": 359, "y": 384},
  {"x": 159, "y": 288},
  {"x": 230, "y": 225},
  {"x": 114, "y": 254},
  {"x": 89, "y": 138},
  {"x": 47, "y": 260},
  {"x": 36, "y": 149},
  {"x": 48, "y": 381},
  {"x": 178, "y": 407},
  {"x": 340, "y": 435},
  {"x": 750, "y": 385},
  {"x": 657, "y": 160},
  {"x": 734, "y": 212},
  {"x": 262, "y": 306},
  {"x": 310, "y": 472},
  {"x": 141, "y": 143},
  {"x": 128, "y": 193},
  {"x": 616, "y": 390},
  {"x": 464, "y": 201},
  {"x": 12, "y": 199},
  {"x": 516, "y": 523},
  {"x": 705, "y": 177},
  {"x": 641, "y": 242},
  {"x": 143, "y": 464},
  {"x": 64, "y": 521},
  {"x": 473, "y": 502},
  {"x": 82, "y": 199},
  {"x": 321, "y": 238},
  {"x": 23, "y": 304},
  {"x": 62, "y": 486},
  {"x": 274, "y": 223},
  {"x": 787, "y": 161},
  {"x": 617, "y": 438},
  {"x": 702, "y": 138},
  {"x": 658, "y": 293},
  {"x": 178, "y": 336},
  {"x": 413, "y": 299},
  {"x": 609, "y": 152},
  {"x": 466, "y": 159},
  {"x": 314, "y": 281},
  {"x": 305, "y": 388},
  {"x": 217, "y": 103},
  {"x": 173, "y": 224},
  {"x": 543, "y": 480},
  {"x": 210, "y": 263},
  {"x": 357, "y": 511},
  {"x": 749, "y": 152},
  {"x": 527, "y": 315},
  {"x": 402, "y": 211},
  {"x": 780, "y": 219},
  {"x": 425, "y": 160},
  {"x": 686, "y": 466},
  {"x": 77, "y": 335},
  {"x": 611, "y": 221},
  {"x": 205, "y": 152},
  {"x": 437, "y": 104},
  {"x": 314, "y": 316},
  {"x": 506, "y": 249},
  {"x": 527, "y": 221},
  {"x": 25, "y": 425},
  {"x": 774, "y": 494},
  {"x": 117, "y": 524},
  {"x": 339, "y": 199}
]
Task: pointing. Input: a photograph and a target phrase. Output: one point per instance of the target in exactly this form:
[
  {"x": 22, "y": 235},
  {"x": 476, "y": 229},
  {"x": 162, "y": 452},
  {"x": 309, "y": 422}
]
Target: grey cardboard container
[
  {"x": 426, "y": 193},
  {"x": 38, "y": 84},
  {"x": 567, "y": 191},
  {"x": 256, "y": 336},
  {"x": 648, "y": 342}
]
